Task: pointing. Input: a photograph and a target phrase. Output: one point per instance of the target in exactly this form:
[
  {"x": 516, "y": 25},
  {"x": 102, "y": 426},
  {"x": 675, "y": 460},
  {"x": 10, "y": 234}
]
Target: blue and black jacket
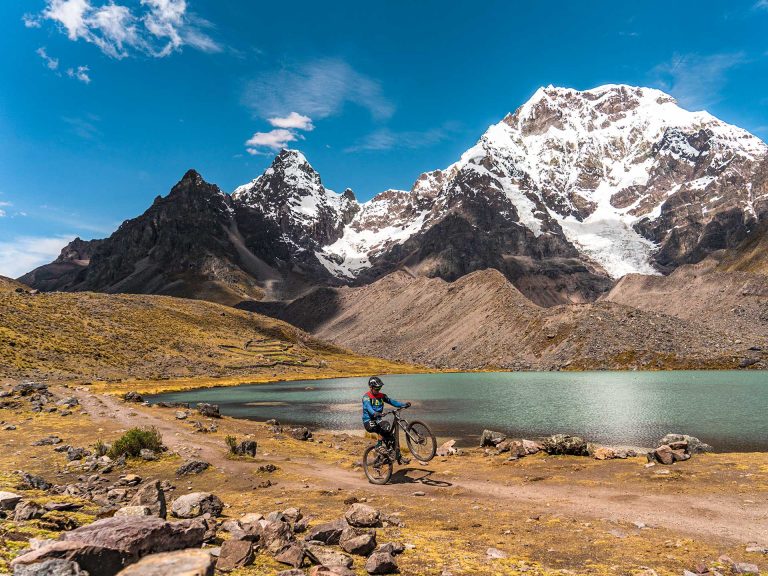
[{"x": 373, "y": 404}]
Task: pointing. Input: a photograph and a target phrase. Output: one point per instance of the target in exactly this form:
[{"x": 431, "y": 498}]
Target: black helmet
[{"x": 375, "y": 383}]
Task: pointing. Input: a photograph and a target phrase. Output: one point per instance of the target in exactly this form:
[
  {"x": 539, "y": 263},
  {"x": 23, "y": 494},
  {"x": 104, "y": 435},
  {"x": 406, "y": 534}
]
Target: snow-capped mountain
[
  {"x": 623, "y": 174},
  {"x": 565, "y": 195}
]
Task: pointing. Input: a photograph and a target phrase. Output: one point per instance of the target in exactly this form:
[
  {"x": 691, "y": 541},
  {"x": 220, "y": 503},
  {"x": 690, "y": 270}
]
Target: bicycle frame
[{"x": 399, "y": 422}]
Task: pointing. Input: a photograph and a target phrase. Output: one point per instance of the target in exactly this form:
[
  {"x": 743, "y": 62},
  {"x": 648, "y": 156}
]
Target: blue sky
[{"x": 104, "y": 104}]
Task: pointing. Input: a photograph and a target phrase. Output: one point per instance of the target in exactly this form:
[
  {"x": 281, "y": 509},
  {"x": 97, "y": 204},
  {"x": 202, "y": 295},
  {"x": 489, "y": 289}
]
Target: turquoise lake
[{"x": 726, "y": 409}]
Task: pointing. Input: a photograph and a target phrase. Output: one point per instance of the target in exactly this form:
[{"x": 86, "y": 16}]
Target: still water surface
[{"x": 726, "y": 409}]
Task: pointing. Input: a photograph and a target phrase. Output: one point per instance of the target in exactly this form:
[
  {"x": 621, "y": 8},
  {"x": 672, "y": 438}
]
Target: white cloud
[
  {"x": 272, "y": 140},
  {"x": 24, "y": 253},
  {"x": 3, "y": 213},
  {"x": 762, "y": 4},
  {"x": 386, "y": 139},
  {"x": 31, "y": 21},
  {"x": 317, "y": 89},
  {"x": 85, "y": 127},
  {"x": 80, "y": 73},
  {"x": 293, "y": 120},
  {"x": 51, "y": 63},
  {"x": 696, "y": 81},
  {"x": 156, "y": 27}
]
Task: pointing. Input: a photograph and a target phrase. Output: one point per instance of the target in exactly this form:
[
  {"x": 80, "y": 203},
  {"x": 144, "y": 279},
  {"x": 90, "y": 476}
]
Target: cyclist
[{"x": 373, "y": 406}]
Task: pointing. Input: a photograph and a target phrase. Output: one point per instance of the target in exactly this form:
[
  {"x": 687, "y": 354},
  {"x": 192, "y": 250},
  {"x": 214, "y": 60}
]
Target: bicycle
[{"x": 378, "y": 461}]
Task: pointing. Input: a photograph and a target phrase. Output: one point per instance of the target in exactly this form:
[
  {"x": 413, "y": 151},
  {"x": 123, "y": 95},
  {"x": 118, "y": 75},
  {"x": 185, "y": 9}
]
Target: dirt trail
[{"x": 718, "y": 518}]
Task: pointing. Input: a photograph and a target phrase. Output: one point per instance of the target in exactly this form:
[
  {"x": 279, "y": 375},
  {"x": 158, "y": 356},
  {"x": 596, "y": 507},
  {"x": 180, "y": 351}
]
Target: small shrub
[
  {"x": 135, "y": 440},
  {"x": 232, "y": 443}
]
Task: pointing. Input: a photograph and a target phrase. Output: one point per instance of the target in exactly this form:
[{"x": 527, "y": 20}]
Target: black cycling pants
[{"x": 375, "y": 428}]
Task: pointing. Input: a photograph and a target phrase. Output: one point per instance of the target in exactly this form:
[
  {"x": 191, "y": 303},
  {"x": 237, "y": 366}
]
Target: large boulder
[
  {"x": 196, "y": 504},
  {"x": 362, "y": 516},
  {"x": 491, "y": 438},
  {"x": 138, "y": 536},
  {"x": 245, "y": 448},
  {"x": 358, "y": 541},
  {"x": 292, "y": 554},
  {"x": 151, "y": 495},
  {"x": 28, "y": 511},
  {"x": 328, "y": 533},
  {"x": 192, "y": 562},
  {"x": 234, "y": 554},
  {"x": 564, "y": 444},
  {"x": 96, "y": 560},
  {"x": 381, "y": 563},
  {"x": 300, "y": 433}
]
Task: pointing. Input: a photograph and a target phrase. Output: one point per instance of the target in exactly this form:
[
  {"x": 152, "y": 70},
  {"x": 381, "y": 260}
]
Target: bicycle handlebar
[{"x": 393, "y": 411}]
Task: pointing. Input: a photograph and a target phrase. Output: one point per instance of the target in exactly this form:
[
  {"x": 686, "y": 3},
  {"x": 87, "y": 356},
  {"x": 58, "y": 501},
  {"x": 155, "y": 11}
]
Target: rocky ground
[{"x": 509, "y": 507}]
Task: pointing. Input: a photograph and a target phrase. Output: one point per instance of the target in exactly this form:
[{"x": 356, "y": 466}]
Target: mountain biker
[{"x": 373, "y": 406}]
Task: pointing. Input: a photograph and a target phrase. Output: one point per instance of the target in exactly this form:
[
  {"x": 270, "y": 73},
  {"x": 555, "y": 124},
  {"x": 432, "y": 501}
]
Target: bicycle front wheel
[
  {"x": 377, "y": 467},
  {"x": 421, "y": 442}
]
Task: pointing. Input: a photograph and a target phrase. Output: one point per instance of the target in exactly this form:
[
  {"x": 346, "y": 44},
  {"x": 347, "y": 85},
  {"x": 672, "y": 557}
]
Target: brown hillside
[
  {"x": 104, "y": 336},
  {"x": 482, "y": 321}
]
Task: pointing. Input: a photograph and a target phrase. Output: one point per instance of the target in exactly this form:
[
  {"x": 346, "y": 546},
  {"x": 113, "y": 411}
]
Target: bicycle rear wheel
[
  {"x": 377, "y": 467},
  {"x": 421, "y": 442}
]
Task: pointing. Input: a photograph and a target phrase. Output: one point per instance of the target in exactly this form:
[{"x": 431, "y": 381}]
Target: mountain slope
[
  {"x": 483, "y": 321},
  {"x": 105, "y": 337}
]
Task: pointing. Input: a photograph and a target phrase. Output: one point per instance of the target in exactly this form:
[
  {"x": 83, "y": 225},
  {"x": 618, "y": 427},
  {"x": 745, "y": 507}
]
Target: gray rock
[
  {"x": 246, "y": 448},
  {"x": 362, "y": 516},
  {"x": 495, "y": 553},
  {"x": 327, "y": 557},
  {"x": 274, "y": 535},
  {"x": 133, "y": 397},
  {"x": 358, "y": 541},
  {"x": 9, "y": 500},
  {"x": 28, "y": 511},
  {"x": 52, "y": 567},
  {"x": 745, "y": 568},
  {"x": 181, "y": 415},
  {"x": 133, "y": 511},
  {"x": 328, "y": 533},
  {"x": 234, "y": 554},
  {"x": 564, "y": 444},
  {"x": 209, "y": 410},
  {"x": 151, "y": 495},
  {"x": 76, "y": 454},
  {"x": 148, "y": 455},
  {"x": 291, "y": 554},
  {"x": 393, "y": 548},
  {"x": 192, "y": 467},
  {"x": 196, "y": 504},
  {"x": 291, "y": 572},
  {"x": 300, "y": 433},
  {"x": 191, "y": 562},
  {"x": 491, "y": 438},
  {"x": 695, "y": 446},
  {"x": 381, "y": 563},
  {"x": 32, "y": 482}
]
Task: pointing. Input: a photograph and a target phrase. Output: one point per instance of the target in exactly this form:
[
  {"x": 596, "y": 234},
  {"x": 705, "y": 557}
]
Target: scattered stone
[
  {"x": 275, "y": 535},
  {"x": 331, "y": 571},
  {"x": 362, "y": 516},
  {"x": 327, "y": 557},
  {"x": 48, "y": 441},
  {"x": 603, "y": 453},
  {"x": 192, "y": 467},
  {"x": 495, "y": 553},
  {"x": 292, "y": 572},
  {"x": 234, "y": 554},
  {"x": 148, "y": 455},
  {"x": 181, "y": 415},
  {"x": 491, "y": 438},
  {"x": 268, "y": 468},
  {"x": 209, "y": 410},
  {"x": 694, "y": 445},
  {"x": 133, "y": 397},
  {"x": 245, "y": 448},
  {"x": 328, "y": 533},
  {"x": 133, "y": 511},
  {"x": 393, "y": 548},
  {"x": 564, "y": 444},
  {"x": 28, "y": 511},
  {"x": 191, "y": 562},
  {"x": 9, "y": 500},
  {"x": 77, "y": 454},
  {"x": 358, "y": 541},
  {"x": 381, "y": 563},
  {"x": 301, "y": 433},
  {"x": 446, "y": 449},
  {"x": 196, "y": 504},
  {"x": 52, "y": 567},
  {"x": 662, "y": 455},
  {"x": 291, "y": 554},
  {"x": 151, "y": 495},
  {"x": 32, "y": 482},
  {"x": 756, "y": 548},
  {"x": 745, "y": 568},
  {"x": 419, "y": 493}
]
